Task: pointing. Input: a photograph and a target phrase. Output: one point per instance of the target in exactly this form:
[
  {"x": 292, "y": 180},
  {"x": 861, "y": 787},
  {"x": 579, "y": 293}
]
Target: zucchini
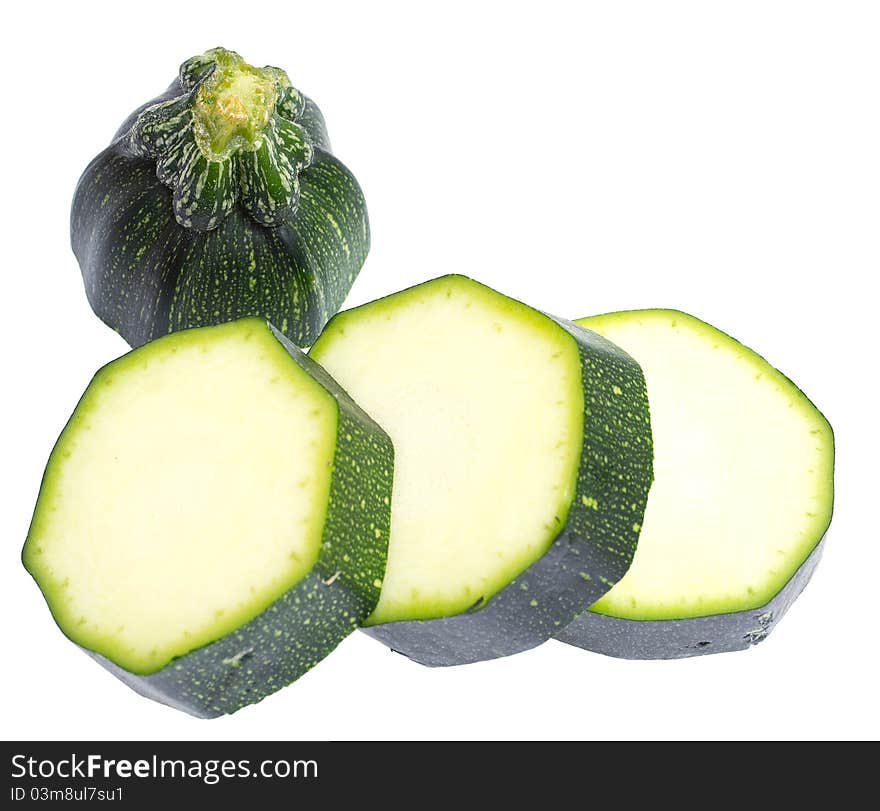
[
  {"x": 741, "y": 501},
  {"x": 214, "y": 518},
  {"x": 523, "y": 452},
  {"x": 216, "y": 200}
]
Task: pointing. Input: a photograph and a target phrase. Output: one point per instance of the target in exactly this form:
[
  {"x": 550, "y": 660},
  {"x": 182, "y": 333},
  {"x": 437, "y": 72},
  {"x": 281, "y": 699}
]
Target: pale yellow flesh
[
  {"x": 742, "y": 472},
  {"x": 187, "y": 493},
  {"x": 482, "y": 398}
]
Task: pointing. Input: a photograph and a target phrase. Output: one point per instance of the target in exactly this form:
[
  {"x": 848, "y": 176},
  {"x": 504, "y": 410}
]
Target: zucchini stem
[{"x": 233, "y": 105}]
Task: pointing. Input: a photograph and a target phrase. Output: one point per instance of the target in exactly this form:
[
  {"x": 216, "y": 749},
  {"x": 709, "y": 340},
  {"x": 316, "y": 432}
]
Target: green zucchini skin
[
  {"x": 146, "y": 274},
  {"x": 592, "y": 550},
  {"x": 694, "y": 636},
  {"x": 307, "y": 622}
]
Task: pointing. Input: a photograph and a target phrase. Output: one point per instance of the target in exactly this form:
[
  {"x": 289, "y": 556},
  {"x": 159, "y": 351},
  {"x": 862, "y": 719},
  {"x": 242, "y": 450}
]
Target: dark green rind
[
  {"x": 312, "y": 121},
  {"x": 306, "y": 623},
  {"x": 173, "y": 90},
  {"x": 304, "y": 267},
  {"x": 592, "y": 551},
  {"x": 695, "y": 636},
  {"x": 145, "y": 275}
]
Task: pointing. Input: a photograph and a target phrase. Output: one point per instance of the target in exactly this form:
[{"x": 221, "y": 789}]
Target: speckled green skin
[
  {"x": 305, "y": 624},
  {"x": 591, "y": 552},
  {"x": 280, "y": 234},
  {"x": 694, "y": 636}
]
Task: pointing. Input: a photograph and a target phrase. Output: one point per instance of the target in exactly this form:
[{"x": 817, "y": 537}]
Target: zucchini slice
[
  {"x": 214, "y": 518},
  {"x": 740, "y": 503},
  {"x": 523, "y": 458}
]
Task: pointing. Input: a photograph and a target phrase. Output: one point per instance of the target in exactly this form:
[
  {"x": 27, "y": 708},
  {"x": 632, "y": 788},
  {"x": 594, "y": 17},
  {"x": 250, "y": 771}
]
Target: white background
[{"x": 721, "y": 158}]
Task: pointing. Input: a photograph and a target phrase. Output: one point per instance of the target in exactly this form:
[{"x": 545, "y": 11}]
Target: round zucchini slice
[
  {"x": 742, "y": 496},
  {"x": 523, "y": 462},
  {"x": 214, "y": 518}
]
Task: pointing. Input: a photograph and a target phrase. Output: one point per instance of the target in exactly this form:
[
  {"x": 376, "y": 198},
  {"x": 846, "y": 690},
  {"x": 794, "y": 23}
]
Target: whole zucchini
[{"x": 219, "y": 199}]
